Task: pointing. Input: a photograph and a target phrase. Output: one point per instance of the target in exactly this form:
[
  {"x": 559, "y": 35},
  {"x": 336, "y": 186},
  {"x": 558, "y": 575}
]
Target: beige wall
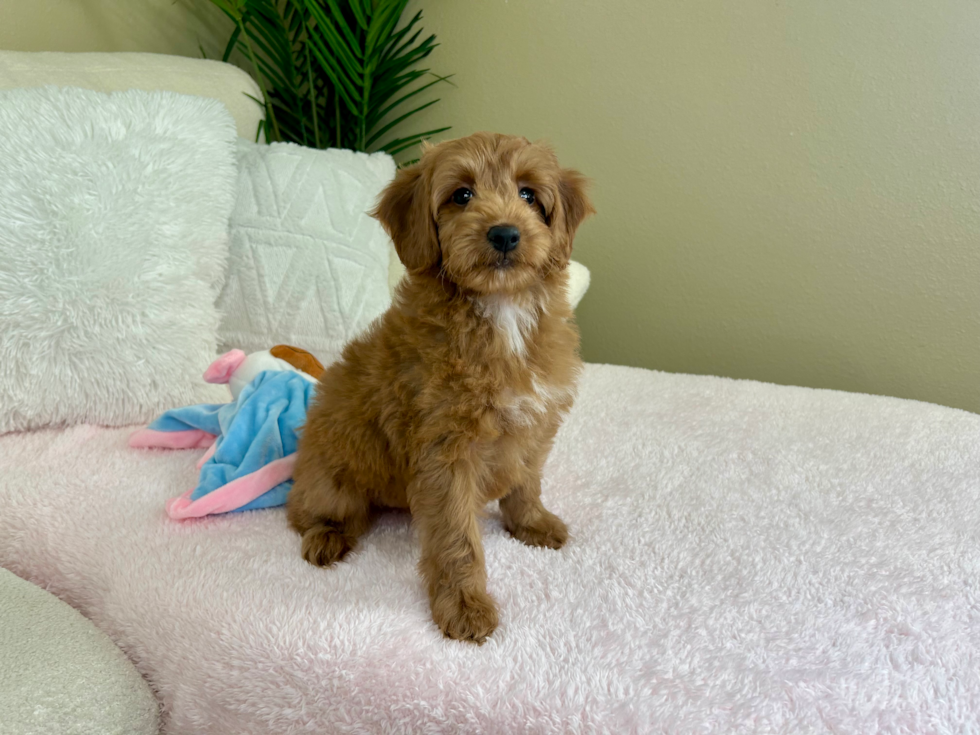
[
  {"x": 157, "y": 26},
  {"x": 787, "y": 191}
]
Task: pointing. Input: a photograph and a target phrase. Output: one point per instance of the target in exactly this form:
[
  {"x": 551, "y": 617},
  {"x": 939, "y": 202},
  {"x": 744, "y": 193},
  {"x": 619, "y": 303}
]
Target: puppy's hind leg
[
  {"x": 528, "y": 520},
  {"x": 329, "y": 517}
]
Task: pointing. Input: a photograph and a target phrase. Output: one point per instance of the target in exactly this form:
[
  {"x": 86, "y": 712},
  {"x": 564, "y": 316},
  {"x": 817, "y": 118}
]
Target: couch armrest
[
  {"x": 117, "y": 71},
  {"x": 62, "y": 674}
]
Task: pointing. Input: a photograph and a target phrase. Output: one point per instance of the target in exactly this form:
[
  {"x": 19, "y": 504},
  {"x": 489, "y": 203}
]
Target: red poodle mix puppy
[{"x": 453, "y": 397}]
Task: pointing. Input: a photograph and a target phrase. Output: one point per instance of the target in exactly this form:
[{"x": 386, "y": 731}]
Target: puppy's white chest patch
[{"x": 514, "y": 321}]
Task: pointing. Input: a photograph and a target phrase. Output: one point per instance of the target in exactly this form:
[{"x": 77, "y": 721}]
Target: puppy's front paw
[
  {"x": 324, "y": 545},
  {"x": 547, "y": 530},
  {"x": 466, "y": 616}
]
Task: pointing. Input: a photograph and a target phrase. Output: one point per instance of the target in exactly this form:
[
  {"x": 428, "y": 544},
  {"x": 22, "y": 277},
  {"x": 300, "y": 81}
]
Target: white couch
[{"x": 744, "y": 557}]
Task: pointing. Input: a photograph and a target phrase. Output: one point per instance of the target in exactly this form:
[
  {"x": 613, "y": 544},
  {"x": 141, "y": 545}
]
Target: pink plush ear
[{"x": 224, "y": 367}]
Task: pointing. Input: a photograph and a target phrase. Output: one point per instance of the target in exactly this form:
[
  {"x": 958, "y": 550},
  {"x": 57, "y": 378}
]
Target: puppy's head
[{"x": 493, "y": 213}]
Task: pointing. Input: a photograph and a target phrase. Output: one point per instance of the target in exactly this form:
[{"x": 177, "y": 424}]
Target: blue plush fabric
[{"x": 259, "y": 427}]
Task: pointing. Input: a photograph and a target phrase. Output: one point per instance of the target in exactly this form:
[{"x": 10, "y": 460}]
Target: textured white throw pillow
[
  {"x": 113, "y": 244},
  {"x": 308, "y": 266}
]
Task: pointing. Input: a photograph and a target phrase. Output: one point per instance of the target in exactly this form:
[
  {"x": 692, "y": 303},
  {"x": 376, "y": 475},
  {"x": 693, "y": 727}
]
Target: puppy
[{"x": 452, "y": 398}]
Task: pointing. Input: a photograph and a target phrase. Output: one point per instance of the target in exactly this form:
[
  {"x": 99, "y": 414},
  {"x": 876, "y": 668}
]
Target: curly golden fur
[{"x": 453, "y": 397}]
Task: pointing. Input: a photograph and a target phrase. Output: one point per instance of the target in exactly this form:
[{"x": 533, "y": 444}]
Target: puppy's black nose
[{"x": 504, "y": 237}]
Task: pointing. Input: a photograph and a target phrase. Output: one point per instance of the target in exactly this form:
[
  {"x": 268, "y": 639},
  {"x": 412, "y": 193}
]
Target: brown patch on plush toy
[{"x": 299, "y": 359}]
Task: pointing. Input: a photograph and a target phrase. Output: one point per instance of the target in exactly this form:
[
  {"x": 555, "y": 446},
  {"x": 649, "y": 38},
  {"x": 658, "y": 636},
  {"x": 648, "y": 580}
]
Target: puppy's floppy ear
[
  {"x": 575, "y": 207},
  {"x": 404, "y": 213}
]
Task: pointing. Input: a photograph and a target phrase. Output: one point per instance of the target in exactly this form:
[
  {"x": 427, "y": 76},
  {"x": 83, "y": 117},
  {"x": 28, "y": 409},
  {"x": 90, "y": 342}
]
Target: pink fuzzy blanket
[{"x": 745, "y": 558}]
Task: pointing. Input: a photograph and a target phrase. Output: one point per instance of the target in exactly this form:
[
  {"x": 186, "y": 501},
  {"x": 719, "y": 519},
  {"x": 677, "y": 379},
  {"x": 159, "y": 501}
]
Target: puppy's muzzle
[{"x": 504, "y": 238}]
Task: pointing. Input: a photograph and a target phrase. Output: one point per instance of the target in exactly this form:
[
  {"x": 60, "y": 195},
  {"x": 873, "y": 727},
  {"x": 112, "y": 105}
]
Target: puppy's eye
[
  {"x": 461, "y": 196},
  {"x": 528, "y": 196}
]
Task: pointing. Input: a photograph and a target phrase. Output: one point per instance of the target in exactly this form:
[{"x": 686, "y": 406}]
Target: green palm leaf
[
  {"x": 401, "y": 144},
  {"x": 335, "y": 72},
  {"x": 376, "y": 115}
]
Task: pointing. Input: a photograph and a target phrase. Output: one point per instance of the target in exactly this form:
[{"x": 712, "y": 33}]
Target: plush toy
[{"x": 251, "y": 441}]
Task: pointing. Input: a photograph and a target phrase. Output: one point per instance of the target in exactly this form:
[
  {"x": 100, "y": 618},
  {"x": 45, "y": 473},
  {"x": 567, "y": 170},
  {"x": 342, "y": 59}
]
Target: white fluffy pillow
[
  {"x": 113, "y": 243},
  {"x": 308, "y": 266}
]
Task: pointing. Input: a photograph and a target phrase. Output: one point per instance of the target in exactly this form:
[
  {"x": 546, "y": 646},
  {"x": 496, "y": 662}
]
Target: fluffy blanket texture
[
  {"x": 113, "y": 243},
  {"x": 745, "y": 558}
]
